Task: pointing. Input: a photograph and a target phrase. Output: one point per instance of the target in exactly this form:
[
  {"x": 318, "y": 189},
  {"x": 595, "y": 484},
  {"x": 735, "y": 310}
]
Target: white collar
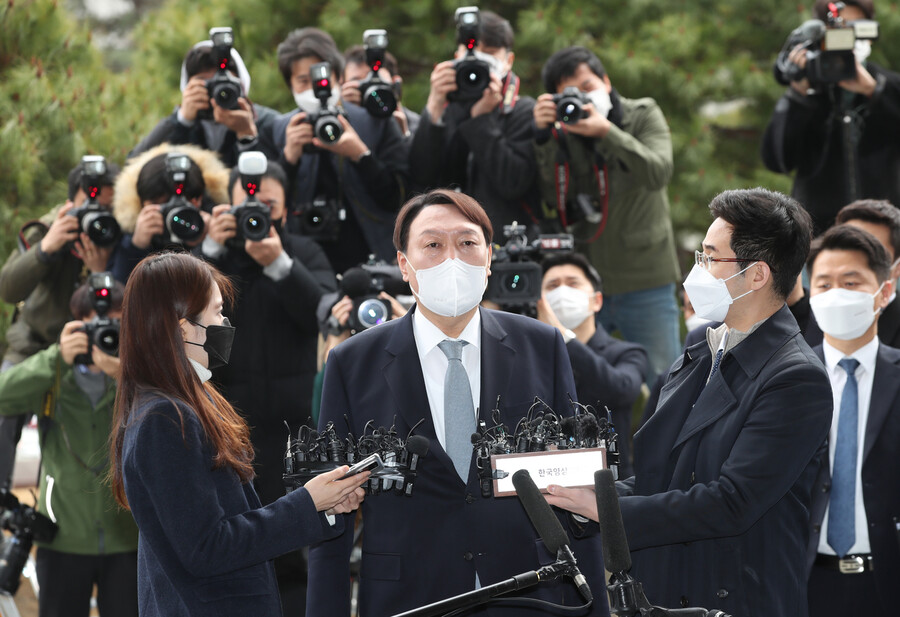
[
  {"x": 202, "y": 372},
  {"x": 865, "y": 355},
  {"x": 429, "y": 335}
]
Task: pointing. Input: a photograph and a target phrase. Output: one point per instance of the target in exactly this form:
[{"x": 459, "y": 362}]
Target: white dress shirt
[
  {"x": 865, "y": 373},
  {"x": 434, "y": 364}
]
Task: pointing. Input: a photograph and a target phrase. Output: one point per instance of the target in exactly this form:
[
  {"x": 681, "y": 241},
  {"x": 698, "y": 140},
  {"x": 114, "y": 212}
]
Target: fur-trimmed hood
[{"x": 127, "y": 204}]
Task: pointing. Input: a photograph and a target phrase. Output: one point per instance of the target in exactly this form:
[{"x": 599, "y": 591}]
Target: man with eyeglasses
[{"x": 717, "y": 511}]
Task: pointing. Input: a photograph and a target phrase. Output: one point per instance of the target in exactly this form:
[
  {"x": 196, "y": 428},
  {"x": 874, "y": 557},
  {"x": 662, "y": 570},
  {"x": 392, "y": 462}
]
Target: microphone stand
[{"x": 477, "y": 597}]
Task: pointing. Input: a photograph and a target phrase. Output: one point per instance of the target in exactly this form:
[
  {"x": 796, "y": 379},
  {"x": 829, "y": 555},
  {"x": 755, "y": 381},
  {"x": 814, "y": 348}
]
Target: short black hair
[
  {"x": 877, "y": 212},
  {"x": 496, "y": 31},
  {"x": 820, "y": 9},
  {"x": 155, "y": 186},
  {"x": 849, "y": 238},
  {"x": 565, "y": 62},
  {"x": 107, "y": 179},
  {"x": 574, "y": 259},
  {"x": 273, "y": 170},
  {"x": 80, "y": 303},
  {"x": 767, "y": 226},
  {"x": 306, "y": 43},
  {"x": 357, "y": 55},
  {"x": 200, "y": 59}
]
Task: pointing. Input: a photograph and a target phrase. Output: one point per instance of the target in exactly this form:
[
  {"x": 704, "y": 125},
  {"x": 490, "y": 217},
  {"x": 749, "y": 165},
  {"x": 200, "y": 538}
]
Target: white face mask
[
  {"x": 601, "y": 101},
  {"x": 450, "y": 288},
  {"x": 710, "y": 296},
  {"x": 695, "y": 321},
  {"x": 843, "y": 313},
  {"x": 497, "y": 68},
  {"x": 861, "y": 50},
  {"x": 571, "y": 306},
  {"x": 308, "y": 102}
]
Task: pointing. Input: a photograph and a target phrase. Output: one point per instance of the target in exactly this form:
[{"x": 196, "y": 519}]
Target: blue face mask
[{"x": 218, "y": 342}]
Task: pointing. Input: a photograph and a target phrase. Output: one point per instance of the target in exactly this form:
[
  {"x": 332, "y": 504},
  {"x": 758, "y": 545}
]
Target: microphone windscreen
[
  {"x": 540, "y": 512},
  {"x": 616, "y": 555},
  {"x": 417, "y": 445},
  {"x": 475, "y": 439},
  {"x": 356, "y": 282}
]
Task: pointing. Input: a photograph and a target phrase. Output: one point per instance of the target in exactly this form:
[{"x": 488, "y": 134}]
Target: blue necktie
[
  {"x": 459, "y": 412},
  {"x": 716, "y": 363},
  {"x": 842, "y": 507}
]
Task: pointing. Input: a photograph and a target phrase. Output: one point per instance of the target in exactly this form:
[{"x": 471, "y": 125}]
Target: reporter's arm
[
  {"x": 22, "y": 387},
  {"x": 646, "y": 152}
]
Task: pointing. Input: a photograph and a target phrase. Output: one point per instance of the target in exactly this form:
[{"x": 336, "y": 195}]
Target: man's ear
[{"x": 403, "y": 264}]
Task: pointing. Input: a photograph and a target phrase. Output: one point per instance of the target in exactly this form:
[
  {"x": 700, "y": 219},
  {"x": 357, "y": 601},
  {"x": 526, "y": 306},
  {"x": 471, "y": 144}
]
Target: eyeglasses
[{"x": 702, "y": 259}]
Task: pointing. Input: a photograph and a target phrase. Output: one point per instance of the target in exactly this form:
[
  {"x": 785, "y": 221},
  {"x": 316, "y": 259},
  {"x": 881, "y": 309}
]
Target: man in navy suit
[
  {"x": 717, "y": 512},
  {"x": 853, "y": 548},
  {"x": 435, "y": 372}
]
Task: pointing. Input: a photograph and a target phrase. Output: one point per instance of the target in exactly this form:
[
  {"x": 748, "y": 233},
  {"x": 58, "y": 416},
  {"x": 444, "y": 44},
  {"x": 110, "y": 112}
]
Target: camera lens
[
  {"x": 102, "y": 228},
  {"x": 107, "y": 339},
  {"x": 185, "y": 223},
  {"x": 372, "y": 312},
  {"x": 570, "y": 113},
  {"x": 515, "y": 283},
  {"x": 379, "y": 100},
  {"x": 254, "y": 223},
  {"x": 329, "y": 129},
  {"x": 226, "y": 94}
]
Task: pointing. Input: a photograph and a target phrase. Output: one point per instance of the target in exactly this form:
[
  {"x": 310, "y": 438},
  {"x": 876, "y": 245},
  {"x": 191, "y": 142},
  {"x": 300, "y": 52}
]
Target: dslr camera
[
  {"x": 26, "y": 525},
  {"x": 516, "y": 273},
  {"x": 363, "y": 284},
  {"x": 182, "y": 220},
  {"x": 570, "y": 105},
  {"x": 377, "y": 95},
  {"x": 253, "y": 216},
  {"x": 472, "y": 75},
  {"x": 321, "y": 218},
  {"x": 829, "y": 49},
  {"x": 326, "y": 124},
  {"x": 101, "y": 331},
  {"x": 93, "y": 219},
  {"x": 223, "y": 87}
]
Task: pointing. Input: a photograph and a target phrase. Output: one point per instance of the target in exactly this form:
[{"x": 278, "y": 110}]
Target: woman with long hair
[{"x": 181, "y": 458}]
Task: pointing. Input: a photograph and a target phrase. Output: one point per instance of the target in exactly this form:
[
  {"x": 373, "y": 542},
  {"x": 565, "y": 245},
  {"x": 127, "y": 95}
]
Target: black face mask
[{"x": 218, "y": 343}]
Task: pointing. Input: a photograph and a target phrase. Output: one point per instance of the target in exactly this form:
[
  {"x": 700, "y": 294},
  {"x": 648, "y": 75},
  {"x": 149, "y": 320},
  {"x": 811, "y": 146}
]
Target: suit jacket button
[
  {"x": 685, "y": 602},
  {"x": 470, "y": 498},
  {"x": 817, "y": 528},
  {"x": 722, "y": 594},
  {"x": 468, "y": 556},
  {"x": 826, "y": 487}
]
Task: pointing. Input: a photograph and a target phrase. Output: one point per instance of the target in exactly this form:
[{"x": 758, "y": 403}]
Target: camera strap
[
  {"x": 562, "y": 177},
  {"x": 510, "y": 93},
  {"x": 22, "y": 241}
]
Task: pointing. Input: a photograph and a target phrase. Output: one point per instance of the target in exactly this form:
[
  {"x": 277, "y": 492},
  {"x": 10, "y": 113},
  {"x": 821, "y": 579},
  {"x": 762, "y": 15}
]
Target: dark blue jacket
[
  {"x": 428, "y": 546},
  {"x": 205, "y": 542},
  {"x": 717, "y": 513},
  {"x": 880, "y": 479}
]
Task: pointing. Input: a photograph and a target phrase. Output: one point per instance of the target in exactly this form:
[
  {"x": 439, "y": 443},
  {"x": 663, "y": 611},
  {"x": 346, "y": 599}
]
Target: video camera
[
  {"x": 311, "y": 454},
  {"x": 223, "y": 87},
  {"x": 829, "y": 55},
  {"x": 26, "y": 525},
  {"x": 252, "y": 216},
  {"x": 377, "y": 95},
  {"x": 182, "y": 220},
  {"x": 101, "y": 331},
  {"x": 326, "y": 124},
  {"x": 93, "y": 219},
  {"x": 570, "y": 105},
  {"x": 516, "y": 274},
  {"x": 472, "y": 75},
  {"x": 363, "y": 284}
]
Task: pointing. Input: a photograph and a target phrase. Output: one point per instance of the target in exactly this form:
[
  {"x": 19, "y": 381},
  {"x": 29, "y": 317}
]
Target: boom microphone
[
  {"x": 356, "y": 282},
  {"x": 548, "y": 527},
  {"x": 616, "y": 555}
]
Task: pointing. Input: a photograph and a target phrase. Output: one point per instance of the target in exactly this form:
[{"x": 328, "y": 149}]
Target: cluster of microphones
[{"x": 391, "y": 459}]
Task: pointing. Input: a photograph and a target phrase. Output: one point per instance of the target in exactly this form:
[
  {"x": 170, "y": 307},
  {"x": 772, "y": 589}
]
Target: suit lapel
[
  {"x": 885, "y": 385},
  {"x": 496, "y": 366},
  {"x": 714, "y": 401}
]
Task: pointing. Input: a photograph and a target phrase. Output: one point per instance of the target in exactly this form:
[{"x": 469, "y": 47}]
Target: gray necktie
[{"x": 459, "y": 413}]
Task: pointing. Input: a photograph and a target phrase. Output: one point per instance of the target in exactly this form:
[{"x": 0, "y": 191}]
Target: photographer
[
  {"x": 199, "y": 120},
  {"x": 481, "y": 145},
  {"x": 40, "y": 276},
  {"x": 344, "y": 193},
  {"x": 618, "y": 161},
  {"x": 356, "y": 70},
  {"x": 608, "y": 372},
  {"x": 96, "y": 543},
  {"x": 842, "y": 139},
  {"x": 144, "y": 189}
]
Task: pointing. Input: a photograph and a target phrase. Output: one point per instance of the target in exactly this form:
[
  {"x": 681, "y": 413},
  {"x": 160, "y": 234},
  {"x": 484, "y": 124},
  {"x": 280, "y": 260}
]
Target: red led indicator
[
  {"x": 376, "y": 66},
  {"x": 251, "y": 188},
  {"x": 323, "y": 82},
  {"x": 94, "y": 191},
  {"x": 179, "y": 189},
  {"x": 103, "y": 293},
  {"x": 470, "y": 44},
  {"x": 223, "y": 64}
]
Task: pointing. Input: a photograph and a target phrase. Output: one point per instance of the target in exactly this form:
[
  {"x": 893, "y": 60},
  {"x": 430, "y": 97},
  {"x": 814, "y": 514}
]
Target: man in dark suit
[
  {"x": 853, "y": 550},
  {"x": 433, "y": 372},
  {"x": 716, "y": 514},
  {"x": 608, "y": 372}
]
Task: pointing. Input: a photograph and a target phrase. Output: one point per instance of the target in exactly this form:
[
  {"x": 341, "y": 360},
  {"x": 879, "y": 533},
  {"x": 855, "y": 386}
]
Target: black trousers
[
  {"x": 843, "y": 595},
  {"x": 67, "y": 581}
]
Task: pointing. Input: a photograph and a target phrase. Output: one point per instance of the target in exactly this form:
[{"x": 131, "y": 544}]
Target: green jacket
[
  {"x": 637, "y": 249},
  {"x": 42, "y": 286},
  {"x": 74, "y": 449}
]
